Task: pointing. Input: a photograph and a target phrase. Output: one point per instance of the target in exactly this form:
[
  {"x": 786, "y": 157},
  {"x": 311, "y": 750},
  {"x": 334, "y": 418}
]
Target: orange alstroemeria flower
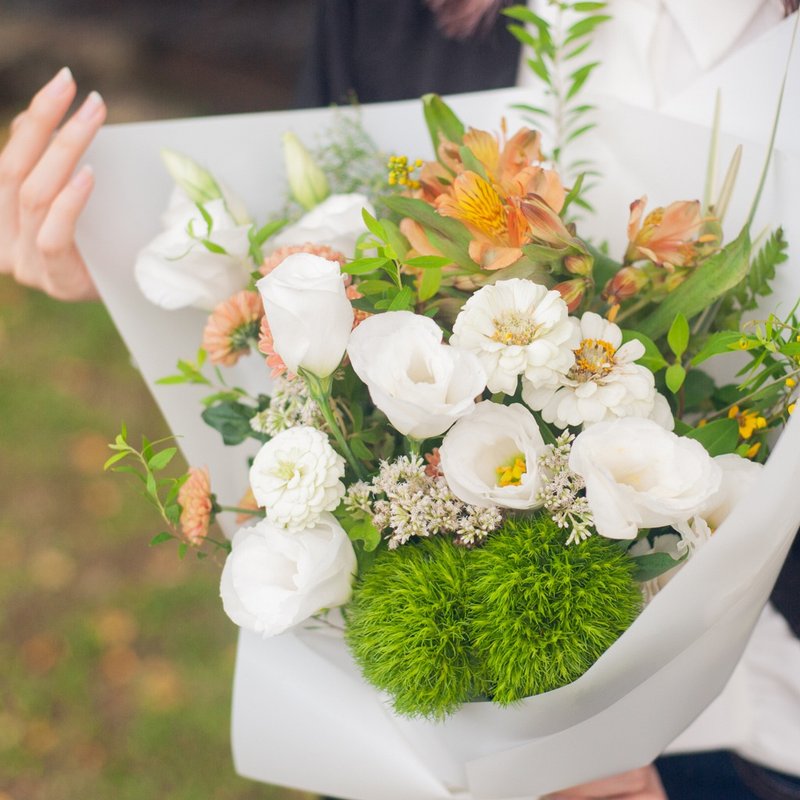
[
  {"x": 499, "y": 228},
  {"x": 666, "y": 236}
]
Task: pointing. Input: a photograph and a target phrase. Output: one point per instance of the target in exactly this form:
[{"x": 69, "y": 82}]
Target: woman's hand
[
  {"x": 40, "y": 197},
  {"x": 638, "y": 784}
]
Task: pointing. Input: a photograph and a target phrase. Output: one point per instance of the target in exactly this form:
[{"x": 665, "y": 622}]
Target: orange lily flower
[{"x": 666, "y": 236}]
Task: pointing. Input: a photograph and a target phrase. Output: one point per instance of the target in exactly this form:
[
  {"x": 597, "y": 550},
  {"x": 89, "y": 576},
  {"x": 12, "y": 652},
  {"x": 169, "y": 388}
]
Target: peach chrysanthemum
[
  {"x": 321, "y": 250},
  {"x": 266, "y": 346},
  {"x": 232, "y": 326},
  {"x": 194, "y": 498}
]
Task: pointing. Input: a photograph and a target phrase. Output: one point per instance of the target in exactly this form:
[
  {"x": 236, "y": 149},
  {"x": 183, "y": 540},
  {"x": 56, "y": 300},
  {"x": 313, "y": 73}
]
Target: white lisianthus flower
[
  {"x": 422, "y": 385},
  {"x": 336, "y": 222},
  {"x": 639, "y": 475},
  {"x": 296, "y": 476},
  {"x": 603, "y": 383},
  {"x": 738, "y": 475},
  {"x": 491, "y": 457},
  {"x": 517, "y": 327},
  {"x": 177, "y": 270},
  {"x": 273, "y": 579},
  {"x": 308, "y": 312}
]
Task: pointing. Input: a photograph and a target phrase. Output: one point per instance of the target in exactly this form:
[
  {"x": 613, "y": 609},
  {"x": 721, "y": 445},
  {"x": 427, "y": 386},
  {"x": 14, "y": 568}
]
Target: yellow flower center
[
  {"x": 479, "y": 205},
  {"x": 593, "y": 359},
  {"x": 510, "y": 473},
  {"x": 514, "y": 328}
]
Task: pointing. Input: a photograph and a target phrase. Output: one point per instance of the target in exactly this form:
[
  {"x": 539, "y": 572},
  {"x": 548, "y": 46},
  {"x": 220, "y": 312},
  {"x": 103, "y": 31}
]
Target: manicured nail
[
  {"x": 90, "y": 106},
  {"x": 83, "y": 177},
  {"x": 60, "y": 83}
]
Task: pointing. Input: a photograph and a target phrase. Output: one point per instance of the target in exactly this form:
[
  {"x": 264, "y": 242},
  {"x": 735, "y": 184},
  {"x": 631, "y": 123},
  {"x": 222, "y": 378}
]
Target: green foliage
[
  {"x": 543, "y": 613},
  {"x": 718, "y": 437},
  {"x": 441, "y": 121},
  {"x": 408, "y": 627},
  {"x": 653, "y": 565},
  {"x": 232, "y": 419},
  {"x": 555, "y": 58}
]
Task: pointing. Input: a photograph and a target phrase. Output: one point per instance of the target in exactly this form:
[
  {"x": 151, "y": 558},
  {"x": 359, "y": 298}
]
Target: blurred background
[{"x": 116, "y": 659}]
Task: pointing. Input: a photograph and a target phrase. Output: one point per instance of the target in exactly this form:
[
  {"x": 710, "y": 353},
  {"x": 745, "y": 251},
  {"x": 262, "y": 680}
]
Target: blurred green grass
[{"x": 116, "y": 658}]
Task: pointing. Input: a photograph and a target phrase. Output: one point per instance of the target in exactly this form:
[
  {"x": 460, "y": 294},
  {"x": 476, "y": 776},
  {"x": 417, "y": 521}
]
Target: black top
[{"x": 377, "y": 50}]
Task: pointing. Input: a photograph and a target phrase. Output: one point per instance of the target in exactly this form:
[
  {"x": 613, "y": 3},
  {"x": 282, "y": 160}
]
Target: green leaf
[
  {"x": 150, "y": 485},
  {"x": 674, "y": 377},
  {"x": 762, "y": 267},
  {"x": 375, "y": 286},
  {"x": 403, "y": 300},
  {"x": 362, "y": 266},
  {"x": 429, "y": 284},
  {"x": 270, "y": 229},
  {"x": 397, "y": 244},
  {"x": 231, "y": 419},
  {"x": 698, "y": 389},
  {"x": 364, "y": 531},
  {"x": 530, "y": 109},
  {"x": 678, "y": 335},
  {"x": 539, "y": 68},
  {"x": 572, "y": 194},
  {"x": 183, "y": 548},
  {"x": 584, "y": 27},
  {"x": 652, "y": 358},
  {"x": 159, "y": 538},
  {"x": 441, "y": 121},
  {"x": 116, "y": 457},
  {"x": 360, "y": 450},
  {"x": 373, "y": 225},
  {"x": 524, "y": 14},
  {"x": 596, "y": 6},
  {"x": 718, "y": 437},
  {"x": 521, "y": 35},
  {"x": 427, "y": 262},
  {"x": 160, "y": 460},
  {"x": 579, "y": 77},
  {"x": 717, "y": 275},
  {"x": 722, "y": 342},
  {"x": 652, "y": 565}
]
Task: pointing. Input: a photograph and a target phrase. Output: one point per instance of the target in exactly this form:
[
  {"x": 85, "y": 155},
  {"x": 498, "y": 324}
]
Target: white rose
[
  {"x": 336, "y": 222},
  {"x": 273, "y": 579},
  {"x": 738, "y": 475},
  {"x": 296, "y": 476},
  {"x": 177, "y": 270},
  {"x": 517, "y": 327},
  {"x": 639, "y": 475},
  {"x": 479, "y": 455},
  {"x": 422, "y": 385},
  {"x": 308, "y": 313}
]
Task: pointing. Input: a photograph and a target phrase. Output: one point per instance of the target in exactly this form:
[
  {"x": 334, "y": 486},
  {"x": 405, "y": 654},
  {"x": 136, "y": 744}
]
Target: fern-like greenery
[
  {"x": 557, "y": 58},
  {"x": 545, "y": 612},
  {"x": 408, "y": 627}
]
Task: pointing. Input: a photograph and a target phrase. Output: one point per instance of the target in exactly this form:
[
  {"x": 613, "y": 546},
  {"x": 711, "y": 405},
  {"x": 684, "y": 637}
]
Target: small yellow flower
[
  {"x": 791, "y": 383},
  {"x": 791, "y": 408},
  {"x": 749, "y": 421},
  {"x": 751, "y": 452}
]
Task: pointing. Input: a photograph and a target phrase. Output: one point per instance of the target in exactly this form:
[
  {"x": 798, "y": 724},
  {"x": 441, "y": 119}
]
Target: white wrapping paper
[{"x": 302, "y": 717}]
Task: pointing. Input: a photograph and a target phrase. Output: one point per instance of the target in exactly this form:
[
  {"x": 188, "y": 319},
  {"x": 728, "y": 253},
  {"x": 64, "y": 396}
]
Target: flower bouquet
[{"x": 487, "y": 443}]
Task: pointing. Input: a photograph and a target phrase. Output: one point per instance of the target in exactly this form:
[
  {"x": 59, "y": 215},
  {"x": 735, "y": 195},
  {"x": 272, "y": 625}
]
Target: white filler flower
[
  {"x": 517, "y": 327},
  {"x": 491, "y": 457},
  {"x": 603, "y": 383},
  {"x": 308, "y": 312},
  {"x": 422, "y": 385},
  {"x": 296, "y": 476},
  {"x": 177, "y": 269},
  {"x": 273, "y": 579},
  {"x": 336, "y": 222},
  {"x": 639, "y": 475}
]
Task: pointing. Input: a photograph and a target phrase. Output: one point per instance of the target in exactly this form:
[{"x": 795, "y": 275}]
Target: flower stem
[
  {"x": 320, "y": 390},
  {"x": 413, "y": 445},
  {"x": 253, "y": 512}
]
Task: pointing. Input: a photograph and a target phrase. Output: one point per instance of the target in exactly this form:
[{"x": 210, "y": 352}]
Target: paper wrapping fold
[{"x": 301, "y": 715}]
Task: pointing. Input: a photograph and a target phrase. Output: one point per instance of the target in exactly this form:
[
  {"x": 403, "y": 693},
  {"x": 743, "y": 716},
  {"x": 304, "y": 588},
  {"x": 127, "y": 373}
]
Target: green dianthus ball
[
  {"x": 408, "y": 627},
  {"x": 546, "y": 612}
]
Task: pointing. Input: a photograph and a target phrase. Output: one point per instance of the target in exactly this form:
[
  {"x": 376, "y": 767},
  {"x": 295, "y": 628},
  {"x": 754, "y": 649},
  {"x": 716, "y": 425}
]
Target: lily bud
[
  {"x": 579, "y": 264},
  {"x": 198, "y": 183},
  {"x": 628, "y": 282},
  {"x": 572, "y": 292},
  {"x": 307, "y": 181}
]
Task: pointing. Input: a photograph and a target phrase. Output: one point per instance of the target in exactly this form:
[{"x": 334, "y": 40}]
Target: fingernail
[
  {"x": 90, "y": 106},
  {"x": 83, "y": 177},
  {"x": 60, "y": 83}
]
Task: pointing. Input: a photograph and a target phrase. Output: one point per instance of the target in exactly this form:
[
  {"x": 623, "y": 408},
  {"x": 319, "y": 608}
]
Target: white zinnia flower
[
  {"x": 296, "y": 476},
  {"x": 639, "y": 475},
  {"x": 603, "y": 383},
  {"x": 517, "y": 327},
  {"x": 274, "y": 579},
  {"x": 491, "y": 457}
]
